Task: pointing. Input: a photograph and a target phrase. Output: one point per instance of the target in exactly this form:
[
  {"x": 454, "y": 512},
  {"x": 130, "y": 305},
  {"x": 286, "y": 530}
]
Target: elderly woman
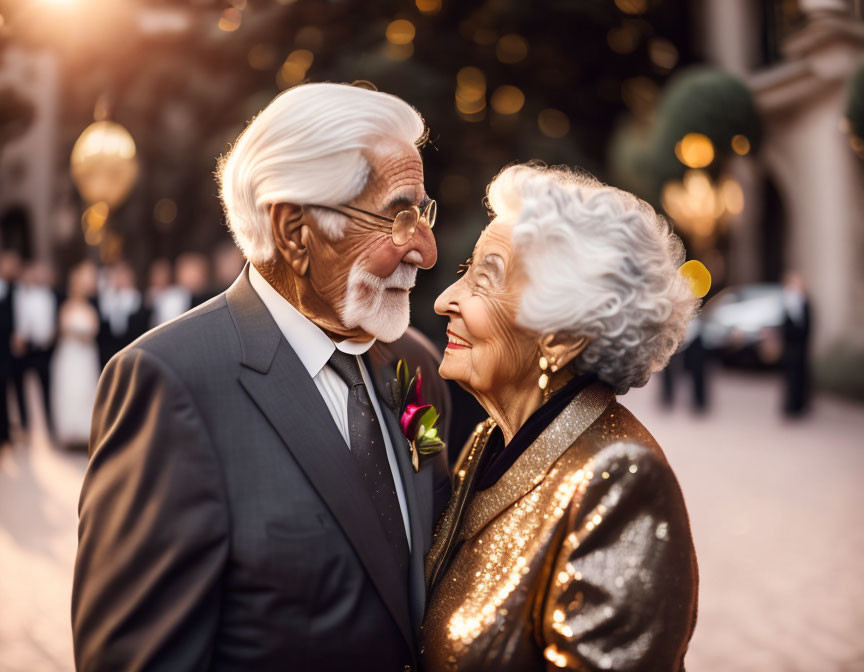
[{"x": 566, "y": 543}]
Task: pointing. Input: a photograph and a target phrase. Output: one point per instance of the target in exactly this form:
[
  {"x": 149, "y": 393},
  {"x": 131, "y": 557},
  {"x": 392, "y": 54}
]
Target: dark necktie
[{"x": 367, "y": 446}]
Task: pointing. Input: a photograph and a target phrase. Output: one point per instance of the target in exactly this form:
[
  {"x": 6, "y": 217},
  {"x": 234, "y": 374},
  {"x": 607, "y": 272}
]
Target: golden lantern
[{"x": 103, "y": 163}]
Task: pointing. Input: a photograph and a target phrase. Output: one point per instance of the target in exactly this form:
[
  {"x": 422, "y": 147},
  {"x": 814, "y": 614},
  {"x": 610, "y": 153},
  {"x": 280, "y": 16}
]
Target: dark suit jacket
[
  {"x": 7, "y": 326},
  {"x": 223, "y": 522},
  {"x": 109, "y": 343}
]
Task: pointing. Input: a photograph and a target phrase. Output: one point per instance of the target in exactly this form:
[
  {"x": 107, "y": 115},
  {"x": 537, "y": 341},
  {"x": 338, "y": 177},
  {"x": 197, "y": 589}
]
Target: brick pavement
[{"x": 777, "y": 511}]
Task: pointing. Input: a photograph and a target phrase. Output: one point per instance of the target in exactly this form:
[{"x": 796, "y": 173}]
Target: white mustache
[{"x": 404, "y": 277}]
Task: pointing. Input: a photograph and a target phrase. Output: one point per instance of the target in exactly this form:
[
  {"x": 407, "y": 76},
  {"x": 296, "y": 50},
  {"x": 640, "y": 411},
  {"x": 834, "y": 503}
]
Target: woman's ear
[
  {"x": 291, "y": 235},
  {"x": 559, "y": 349}
]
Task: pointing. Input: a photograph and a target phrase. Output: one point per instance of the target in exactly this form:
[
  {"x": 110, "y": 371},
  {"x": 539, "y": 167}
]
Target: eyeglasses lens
[
  {"x": 405, "y": 225},
  {"x": 431, "y": 213}
]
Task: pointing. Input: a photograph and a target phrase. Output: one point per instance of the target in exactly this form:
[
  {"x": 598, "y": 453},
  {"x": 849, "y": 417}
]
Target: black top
[{"x": 498, "y": 458}]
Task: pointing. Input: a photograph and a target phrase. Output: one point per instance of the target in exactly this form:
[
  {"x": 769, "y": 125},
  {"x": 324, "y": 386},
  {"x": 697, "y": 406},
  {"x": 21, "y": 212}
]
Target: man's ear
[
  {"x": 559, "y": 349},
  {"x": 291, "y": 235}
]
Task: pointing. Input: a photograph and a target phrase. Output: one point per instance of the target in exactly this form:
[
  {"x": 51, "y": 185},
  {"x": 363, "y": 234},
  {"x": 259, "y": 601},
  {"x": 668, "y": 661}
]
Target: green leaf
[
  {"x": 402, "y": 377},
  {"x": 424, "y": 421},
  {"x": 429, "y": 446},
  {"x": 410, "y": 393}
]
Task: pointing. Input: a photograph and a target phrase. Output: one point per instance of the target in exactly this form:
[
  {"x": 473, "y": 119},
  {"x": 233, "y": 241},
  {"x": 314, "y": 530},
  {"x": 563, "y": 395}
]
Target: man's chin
[
  {"x": 386, "y": 320},
  {"x": 389, "y": 326}
]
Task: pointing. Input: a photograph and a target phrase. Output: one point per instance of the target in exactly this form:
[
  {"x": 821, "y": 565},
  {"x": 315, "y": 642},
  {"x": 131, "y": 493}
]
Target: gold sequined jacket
[{"x": 578, "y": 557}]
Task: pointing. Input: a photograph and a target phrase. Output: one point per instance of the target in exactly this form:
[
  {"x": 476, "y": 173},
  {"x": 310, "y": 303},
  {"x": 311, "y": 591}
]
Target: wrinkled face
[
  {"x": 487, "y": 349},
  {"x": 364, "y": 275}
]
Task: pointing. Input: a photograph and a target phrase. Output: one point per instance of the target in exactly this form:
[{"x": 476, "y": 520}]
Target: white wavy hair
[
  {"x": 305, "y": 147},
  {"x": 602, "y": 264}
]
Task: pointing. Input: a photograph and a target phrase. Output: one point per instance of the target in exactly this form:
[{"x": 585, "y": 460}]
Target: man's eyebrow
[{"x": 406, "y": 198}]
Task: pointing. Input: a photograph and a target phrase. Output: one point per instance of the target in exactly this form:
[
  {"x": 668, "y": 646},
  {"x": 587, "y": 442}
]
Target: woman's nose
[{"x": 447, "y": 303}]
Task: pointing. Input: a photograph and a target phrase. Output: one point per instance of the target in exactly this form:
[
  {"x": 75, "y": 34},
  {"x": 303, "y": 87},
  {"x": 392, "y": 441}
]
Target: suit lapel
[
  {"x": 383, "y": 374},
  {"x": 280, "y": 386}
]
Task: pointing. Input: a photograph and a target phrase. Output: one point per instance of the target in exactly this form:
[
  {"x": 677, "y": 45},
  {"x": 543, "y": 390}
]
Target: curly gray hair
[{"x": 601, "y": 264}]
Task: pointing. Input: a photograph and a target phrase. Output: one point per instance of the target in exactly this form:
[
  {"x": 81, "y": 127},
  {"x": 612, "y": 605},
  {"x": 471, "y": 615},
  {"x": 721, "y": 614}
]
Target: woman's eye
[{"x": 482, "y": 280}]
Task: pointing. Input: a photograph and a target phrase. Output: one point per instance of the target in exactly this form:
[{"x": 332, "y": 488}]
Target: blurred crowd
[
  {"x": 65, "y": 332},
  {"x": 765, "y": 326}
]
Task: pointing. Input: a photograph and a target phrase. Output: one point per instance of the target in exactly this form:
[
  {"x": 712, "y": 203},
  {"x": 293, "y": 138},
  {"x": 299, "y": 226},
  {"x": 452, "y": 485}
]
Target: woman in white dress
[{"x": 75, "y": 367}]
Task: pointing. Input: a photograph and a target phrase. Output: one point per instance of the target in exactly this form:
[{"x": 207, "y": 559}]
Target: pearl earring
[{"x": 543, "y": 381}]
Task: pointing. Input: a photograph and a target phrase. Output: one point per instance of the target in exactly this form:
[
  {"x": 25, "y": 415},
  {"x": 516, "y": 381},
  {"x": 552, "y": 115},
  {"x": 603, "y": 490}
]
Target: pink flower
[
  {"x": 414, "y": 406},
  {"x": 411, "y": 411}
]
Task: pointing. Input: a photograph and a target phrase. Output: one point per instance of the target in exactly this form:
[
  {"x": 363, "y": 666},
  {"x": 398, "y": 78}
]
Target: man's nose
[{"x": 422, "y": 249}]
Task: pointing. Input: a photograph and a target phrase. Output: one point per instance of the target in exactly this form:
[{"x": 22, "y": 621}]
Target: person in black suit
[
  {"x": 10, "y": 267},
  {"x": 35, "y": 307},
  {"x": 796, "y": 346},
  {"x": 251, "y": 501},
  {"x": 123, "y": 313}
]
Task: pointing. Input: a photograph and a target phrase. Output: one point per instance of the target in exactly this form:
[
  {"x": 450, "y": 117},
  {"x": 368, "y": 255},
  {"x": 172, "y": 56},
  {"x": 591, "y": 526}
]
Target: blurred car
[{"x": 742, "y": 325}]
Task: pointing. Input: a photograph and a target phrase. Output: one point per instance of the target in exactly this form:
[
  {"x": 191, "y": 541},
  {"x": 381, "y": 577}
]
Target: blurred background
[{"x": 741, "y": 120}]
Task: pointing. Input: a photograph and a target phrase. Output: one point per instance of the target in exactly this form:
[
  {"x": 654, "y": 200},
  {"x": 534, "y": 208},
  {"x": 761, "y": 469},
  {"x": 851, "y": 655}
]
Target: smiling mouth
[{"x": 455, "y": 342}]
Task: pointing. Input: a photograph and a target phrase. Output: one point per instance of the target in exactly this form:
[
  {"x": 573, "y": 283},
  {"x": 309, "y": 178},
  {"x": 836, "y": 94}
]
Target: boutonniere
[{"x": 416, "y": 418}]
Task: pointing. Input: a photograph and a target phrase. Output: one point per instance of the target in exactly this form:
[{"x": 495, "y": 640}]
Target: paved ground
[{"x": 777, "y": 512}]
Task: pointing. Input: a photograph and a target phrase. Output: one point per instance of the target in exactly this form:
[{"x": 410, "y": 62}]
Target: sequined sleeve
[{"x": 622, "y": 590}]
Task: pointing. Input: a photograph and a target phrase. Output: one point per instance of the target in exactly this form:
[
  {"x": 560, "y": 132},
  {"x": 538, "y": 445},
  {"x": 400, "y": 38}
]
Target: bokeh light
[
  {"x": 553, "y": 123},
  {"x": 471, "y": 93},
  {"x": 663, "y": 54},
  {"x": 511, "y": 48},
  {"x": 695, "y": 150},
  {"x": 400, "y": 32},
  {"x": 294, "y": 69},
  {"x": 428, "y": 6},
  {"x": 230, "y": 20},
  {"x": 93, "y": 222},
  {"x": 732, "y": 195},
  {"x": 741, "y": 145},
  {"x": 507, "y": 99}
]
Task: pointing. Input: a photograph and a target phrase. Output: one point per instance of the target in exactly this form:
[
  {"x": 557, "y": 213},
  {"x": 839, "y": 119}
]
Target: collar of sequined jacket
[{"x": 461, "y": 521}]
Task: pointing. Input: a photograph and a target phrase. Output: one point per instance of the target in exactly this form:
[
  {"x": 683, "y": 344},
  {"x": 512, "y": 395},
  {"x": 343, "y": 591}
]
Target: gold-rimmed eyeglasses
[{"x": 402, "y": 227}]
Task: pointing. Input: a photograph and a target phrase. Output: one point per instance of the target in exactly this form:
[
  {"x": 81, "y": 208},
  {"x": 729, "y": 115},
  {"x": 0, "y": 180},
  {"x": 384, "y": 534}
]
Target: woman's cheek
[
  {"x": 487, "y": 365},
  {"x": 477, "y": 318}
]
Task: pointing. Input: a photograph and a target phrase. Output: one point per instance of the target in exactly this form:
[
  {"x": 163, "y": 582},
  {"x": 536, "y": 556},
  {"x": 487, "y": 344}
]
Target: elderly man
[{"x": 251, "y": 502}]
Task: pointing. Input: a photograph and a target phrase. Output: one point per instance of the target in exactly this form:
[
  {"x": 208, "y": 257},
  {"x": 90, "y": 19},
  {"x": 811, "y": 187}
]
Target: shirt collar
[{"x": 309, "y": 342}]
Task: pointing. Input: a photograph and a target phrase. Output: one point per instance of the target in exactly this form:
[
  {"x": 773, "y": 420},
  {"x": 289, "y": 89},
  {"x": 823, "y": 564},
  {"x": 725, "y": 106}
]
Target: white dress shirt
[
  {"x": 35, "y": 315},
  {"x": 313, "y": 347},
  {"x": 169, "y": 303},
  {"x": 117, "y": 306}
]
